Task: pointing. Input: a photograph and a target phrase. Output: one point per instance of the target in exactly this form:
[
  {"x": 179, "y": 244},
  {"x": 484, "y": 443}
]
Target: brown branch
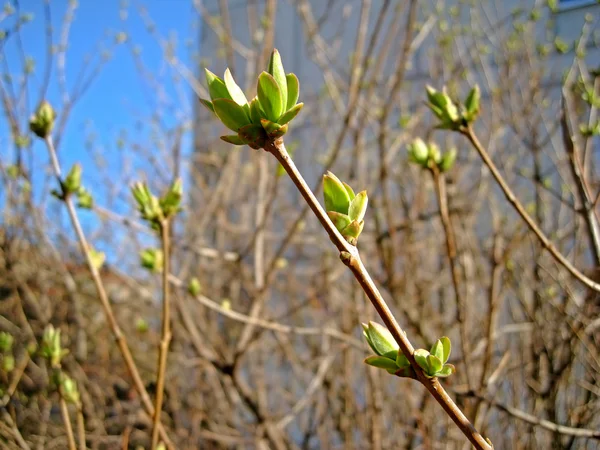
[
  {"x": 512, "y": 199},
  {"x": 163, "y": 348},
  {"x": 106, "y": 306},
  {"x": 439, "y": 181},
  {"x": 67, "y": 422},
  {"x": 351, "y": 258}
]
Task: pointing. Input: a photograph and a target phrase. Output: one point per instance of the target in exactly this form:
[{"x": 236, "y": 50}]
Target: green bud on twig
[
  {"x": 266, "y": 116},
  {"x": 434, "y": 362},
  {"x": 68, "y": 389},
  {"x": 6, "y": 341},
  {"x": 51, "y": 347},
  {"x": 97, "y": 258},
  {"x": 345, "y": 209},
  {"x": 42, "y": 122},
  {"x": 72, "y": 182},
  {"x": 194, "y": 287},
  {"x": 152, "y": 259},
  {"x": 388, "y": 355}
]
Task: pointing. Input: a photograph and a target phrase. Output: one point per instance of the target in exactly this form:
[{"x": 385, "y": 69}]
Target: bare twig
[
  {"x": 67, "y": 422},
  {"x": 108, "y": 310},
  {"x": 163, "y": 349},
  {"x": 512, "y": 199}
]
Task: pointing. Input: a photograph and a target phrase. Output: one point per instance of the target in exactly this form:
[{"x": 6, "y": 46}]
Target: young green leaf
[
  {"x": 358, "y": 206},
  {"x": 472, "y": 102},
  {"x": 335, "y": 194},
  {"x": 290, "y": 114},
  {"x": 349, "y": 190},
  {"x": 381, "y": 339},
  {"x": 293, "y": 88},
  {"x": 402, "y": 360},
  {"x": 216, "y": 86},
  {"x": 448, "y": 160},
  {"x": 352, "y": 231},
  {"x": 255, "y": 113},
  {"x": 207, "y": 104},
  {"x": 447, "y": 348},
  {"x": 421, "y": 358},
  {"x": 340, "y": 220},
  {"x": 381, "y": 362},
  {"x": 434, "y": 364},
  {"x": 233, "y": 139},
  {"x": 446, "y": 371},
  {"x": 276, "y": 69},
  {"x": 231, "y": 114},
  {"x": 269, "y": 96},
  {"x": 237, "y": 95},
  {"x": 437, "y": 349}
]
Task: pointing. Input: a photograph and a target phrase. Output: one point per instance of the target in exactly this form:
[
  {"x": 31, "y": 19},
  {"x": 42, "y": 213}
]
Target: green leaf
[
  {"x": 269, "y": 96},
  {"x": 446, "y": 371},
  {"x": 207, "y": 104},
  {"x": 421, "y": 358},
  {"x": 402, "y": 360},
  {"x": 381, "y": 339},
  {"x": 435, "y": 364},
  {"x": 216, "y": 86},
  {"x": 418, "y": 151},
  {"x": 255, "y": 113},
  {"x": 381, "y": 362},
  {"x": 393, "y": 354},
  {"x": 335, "y": 194},
  {"x": 358, "y": 206},
  {"x": 253, "y": 135},
  {"x": 472, "y": 102},
  {"x": 447, "y": 349},
  {"x": 340, "y": 220},
  {"x": 290, "y": 114},
  {"x": 231, "y": 114},
  {"x": 276, "y": 69},
  {"x": 350, "y": 191},
  {"x": 293, "y": 90},
  {"x": 233, "y": 139},
  {"x": 352, "y": 231},
  {"x": 237, "y": 95},
  {"x": 448, "y": 160},
  {"x": 269, "y": 127},
  {"x": 437, "y": 349}
]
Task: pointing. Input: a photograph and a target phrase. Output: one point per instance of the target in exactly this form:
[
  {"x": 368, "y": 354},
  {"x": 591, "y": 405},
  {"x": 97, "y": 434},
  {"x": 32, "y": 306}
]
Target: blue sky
[{"x": 119, "y": 97}]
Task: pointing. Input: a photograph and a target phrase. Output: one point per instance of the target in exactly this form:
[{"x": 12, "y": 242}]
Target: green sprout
[
  {"x": 429, "y": 155},
  {"x": 389, "y": 357},
  {"x": 266, "y": 116},
  {"x": 452, "y": 116},
  {"x": 345, "y": 209}
]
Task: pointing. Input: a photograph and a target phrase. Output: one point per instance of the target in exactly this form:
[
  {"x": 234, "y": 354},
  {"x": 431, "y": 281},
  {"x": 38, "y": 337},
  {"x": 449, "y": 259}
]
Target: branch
[
  {"x": 350, "y": 257},
  {"x": 106, "y": 306},
  {"x": 163, "y": 348},
  {"x": 512, "y": 199}
]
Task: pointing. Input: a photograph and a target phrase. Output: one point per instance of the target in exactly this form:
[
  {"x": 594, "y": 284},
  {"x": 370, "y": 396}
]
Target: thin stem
[
  {"x": 163, "y": 349},
  {"x": 512, "y": 199},
  {"x": 106, "y": 306},
  {"x": 442, "y": 197},
  {"x": 80, "y": 428},
  {"x": 67, "y": 421},
  {"x": 350, "y": 256}
]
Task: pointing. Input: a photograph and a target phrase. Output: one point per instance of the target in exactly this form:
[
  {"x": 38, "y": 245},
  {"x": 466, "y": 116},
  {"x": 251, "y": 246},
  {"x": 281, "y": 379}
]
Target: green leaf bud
[{"x": 42, "y": 122}]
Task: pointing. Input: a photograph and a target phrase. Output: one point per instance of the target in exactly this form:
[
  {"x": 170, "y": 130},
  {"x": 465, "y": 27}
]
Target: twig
[
  {"x": 67, "y": 421},
  {"x": 80, "y": 428},
  {"x": 442, "y": 197},
  {"x": 163, "y": 349},
  {"x": 106, "y": 306},
  {"x": 351, "y": 258},
  {"x": 512, "y": 199}
]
